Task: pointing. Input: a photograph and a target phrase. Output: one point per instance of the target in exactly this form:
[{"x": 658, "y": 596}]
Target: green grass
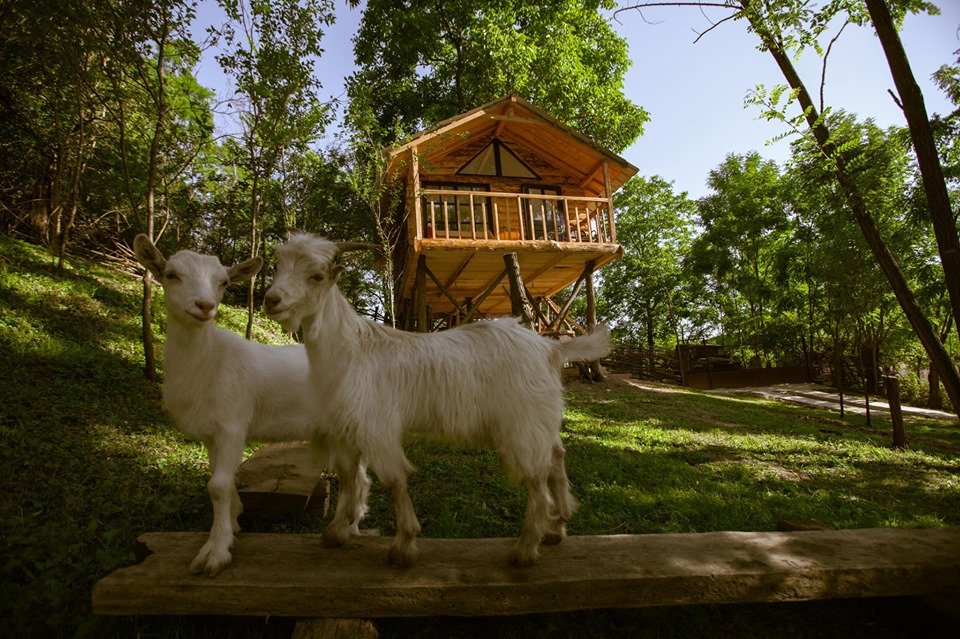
[{"x": 90, "y": 461}]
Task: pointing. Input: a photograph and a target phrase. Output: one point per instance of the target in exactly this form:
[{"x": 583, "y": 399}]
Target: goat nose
[
  {"x": 204, "y": 305},
  {"x": 271, "y": 299}
]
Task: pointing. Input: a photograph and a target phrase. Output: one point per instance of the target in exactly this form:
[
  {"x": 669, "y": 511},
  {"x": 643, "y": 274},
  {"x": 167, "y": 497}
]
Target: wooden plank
[
  {"x": 282, "y": 478},
  {"x": 294, "y": 575}
]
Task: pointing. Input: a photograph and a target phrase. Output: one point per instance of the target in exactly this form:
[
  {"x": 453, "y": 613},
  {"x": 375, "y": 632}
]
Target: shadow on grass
[{"x": 665, "y": 469}]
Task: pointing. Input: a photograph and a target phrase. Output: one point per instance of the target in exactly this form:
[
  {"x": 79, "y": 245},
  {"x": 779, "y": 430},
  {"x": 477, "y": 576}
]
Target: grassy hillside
[{"x": 90, "y": 461}]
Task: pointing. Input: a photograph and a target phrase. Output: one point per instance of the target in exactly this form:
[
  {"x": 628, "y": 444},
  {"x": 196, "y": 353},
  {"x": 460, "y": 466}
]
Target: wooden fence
[{"x": 666, "y": 366}]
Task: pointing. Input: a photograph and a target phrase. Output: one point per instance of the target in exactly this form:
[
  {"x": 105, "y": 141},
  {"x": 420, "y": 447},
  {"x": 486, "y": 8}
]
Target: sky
[{"x": 694, "y": 92}]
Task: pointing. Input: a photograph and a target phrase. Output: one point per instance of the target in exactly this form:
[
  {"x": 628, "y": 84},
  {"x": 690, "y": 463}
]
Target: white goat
[
  {"x": 225, "y": 391},
  {"x": 492, "y": 383}
]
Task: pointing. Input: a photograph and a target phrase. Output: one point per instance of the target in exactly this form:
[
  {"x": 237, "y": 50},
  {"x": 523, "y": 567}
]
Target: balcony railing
[{"x": 482, "y": 215}]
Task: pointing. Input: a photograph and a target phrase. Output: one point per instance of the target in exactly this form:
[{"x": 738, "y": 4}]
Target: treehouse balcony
[
  {"x": 508, "y": 217},
  {"x": 502, "y": 181}
]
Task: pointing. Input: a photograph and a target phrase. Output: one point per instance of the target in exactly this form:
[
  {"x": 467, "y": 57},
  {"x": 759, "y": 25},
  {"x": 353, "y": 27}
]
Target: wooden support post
[
  {"x": 486, "y": 292},
  {"x": 892, "y": 385},
  {"x": 596, "y": 371},
  {"x": 609, "y": 194},
  {"x": 415, "y": 187},
  {"x": 520, "y": 305},
  {"x": 443, "y": 289},
  {"x": 421, "y": 294},
  {"x": 562, "y": 313}
]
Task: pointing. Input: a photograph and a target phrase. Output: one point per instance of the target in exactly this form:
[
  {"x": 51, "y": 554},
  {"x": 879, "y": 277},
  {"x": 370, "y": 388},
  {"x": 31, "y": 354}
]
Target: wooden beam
[
  {"x": 562, "y": 313},
  {"x": 455, "y": 122},
  {"x": 553, "y": 157},
  {"x": 606, "y": 186},
  {"x": 421, "y": 294},
  {"x": 531, "y": 277},
  {"x": 460, "y": 269},
  {"x": 596, "y": 371},
  {"x": 591, "y": 296},
  {"x": 295, "y": 576},
  {"x": 478, "y": 300},
  {"x": 586, "y": 180},
  {"x": 415, "y": 185},
  {"x": 443, "y": 289},
  {"x": 573, "y": 325},
  {"x": 503, "y": 123}
]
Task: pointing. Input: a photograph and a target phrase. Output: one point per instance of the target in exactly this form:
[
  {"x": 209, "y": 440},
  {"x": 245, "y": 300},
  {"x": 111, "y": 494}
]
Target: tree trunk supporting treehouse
[
  {"x": 520, "y": 305},
  {"x": 594, "y": 369}
]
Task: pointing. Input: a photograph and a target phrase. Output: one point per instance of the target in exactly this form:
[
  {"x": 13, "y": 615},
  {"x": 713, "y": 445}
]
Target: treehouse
[{"x": 500, "y": 209}]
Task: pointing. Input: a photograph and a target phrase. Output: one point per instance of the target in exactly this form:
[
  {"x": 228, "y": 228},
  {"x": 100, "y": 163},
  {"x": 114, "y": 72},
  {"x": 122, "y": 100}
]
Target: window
[
  {"x": 544, "y": 219},
  {"x": 496, "y": 159},
  {"x": 455, "y": 210}
]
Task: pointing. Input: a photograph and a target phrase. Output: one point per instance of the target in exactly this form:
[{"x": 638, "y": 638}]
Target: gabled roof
[{"x": 521, "y": 125}]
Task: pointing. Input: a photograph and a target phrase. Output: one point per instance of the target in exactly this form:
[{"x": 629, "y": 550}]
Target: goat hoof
[
  {"x": 210, "y": 562},
  {"x": 552, "y": 538},
  {"x": 521, "y": 558},
  {"x": 335, "y": 539},
  {"x": 400, "y": 558}
]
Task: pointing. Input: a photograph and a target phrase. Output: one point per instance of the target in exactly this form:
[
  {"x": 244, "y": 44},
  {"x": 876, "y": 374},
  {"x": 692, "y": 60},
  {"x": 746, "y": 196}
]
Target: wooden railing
[{"x": 483, "y": 215}]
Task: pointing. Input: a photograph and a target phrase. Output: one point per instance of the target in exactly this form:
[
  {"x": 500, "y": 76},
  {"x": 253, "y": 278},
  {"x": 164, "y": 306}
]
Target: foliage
[
  {"x": 642, "y": 291},
  {"x": 424, "y": 61}
]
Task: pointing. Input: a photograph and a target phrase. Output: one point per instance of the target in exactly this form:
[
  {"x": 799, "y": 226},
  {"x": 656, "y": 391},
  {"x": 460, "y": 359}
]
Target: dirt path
[
  {"x": 813, "y": 395},
  {"x": 827, "y": 398}
]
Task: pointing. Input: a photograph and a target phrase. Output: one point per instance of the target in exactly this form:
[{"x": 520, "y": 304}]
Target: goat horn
[{"x": 343, "y": 247}]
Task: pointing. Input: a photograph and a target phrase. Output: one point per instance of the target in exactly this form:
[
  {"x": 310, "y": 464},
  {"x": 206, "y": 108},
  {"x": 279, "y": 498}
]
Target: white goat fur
[
  {"x": 491, "y": 383},
  {"x": 224, "y": 390}
]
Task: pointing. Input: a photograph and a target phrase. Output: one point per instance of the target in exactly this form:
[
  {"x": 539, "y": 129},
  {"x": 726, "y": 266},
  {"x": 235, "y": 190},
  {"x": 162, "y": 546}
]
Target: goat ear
[
  {"x": 149, "y": 255},
  {"x": 336, "y": 270},
  {"x": 244, "y": 270}
]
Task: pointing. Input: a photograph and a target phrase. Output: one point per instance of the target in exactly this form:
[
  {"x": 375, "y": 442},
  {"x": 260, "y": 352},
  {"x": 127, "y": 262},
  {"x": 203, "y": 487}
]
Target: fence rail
[{"x": 495, "y": 216}]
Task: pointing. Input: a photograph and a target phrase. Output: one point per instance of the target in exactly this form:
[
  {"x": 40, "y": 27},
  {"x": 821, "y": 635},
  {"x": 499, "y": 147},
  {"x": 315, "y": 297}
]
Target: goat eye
[
  {"x": 317, "y": 278},
  {"x": 171, "y": 277},
  {"x": 224, "y": 283}
]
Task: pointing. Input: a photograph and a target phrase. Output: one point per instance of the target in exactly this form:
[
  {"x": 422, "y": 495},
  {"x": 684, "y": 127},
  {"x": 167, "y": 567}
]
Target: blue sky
[{"x": 695, "y": 92}]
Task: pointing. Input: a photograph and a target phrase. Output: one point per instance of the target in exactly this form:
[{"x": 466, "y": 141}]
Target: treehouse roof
[{"x": 520, "y": 125}]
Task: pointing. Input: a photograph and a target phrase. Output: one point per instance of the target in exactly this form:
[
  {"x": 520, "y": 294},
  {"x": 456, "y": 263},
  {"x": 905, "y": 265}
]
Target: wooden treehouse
[{"x": 501, "y": 208}]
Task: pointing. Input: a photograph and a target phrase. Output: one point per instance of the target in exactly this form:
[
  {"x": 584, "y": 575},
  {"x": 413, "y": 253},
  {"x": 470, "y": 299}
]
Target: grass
[{"x": 90, "y": 461}]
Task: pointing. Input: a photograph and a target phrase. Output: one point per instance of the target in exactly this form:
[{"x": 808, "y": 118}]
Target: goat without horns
[
  {"x": 491, "y": 383},
  {"x": 224, "y": 390}
]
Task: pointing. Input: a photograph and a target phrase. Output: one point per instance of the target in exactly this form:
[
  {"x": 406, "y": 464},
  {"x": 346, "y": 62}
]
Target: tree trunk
[
  {"x": 928, "y": 159},
  {"x": 150, "y": 365},
  {"x": 892, "y": 385},
  {"x": 650, "y": 337},
  {"x": 520, "y": 305},
  {"x": 597, "y": 374},
  {"x": 152, "y": 169},
  {"x": 868, "y": 227},
  {"x": 838, "y": 370},
  {"x": 934, "y": 400}
]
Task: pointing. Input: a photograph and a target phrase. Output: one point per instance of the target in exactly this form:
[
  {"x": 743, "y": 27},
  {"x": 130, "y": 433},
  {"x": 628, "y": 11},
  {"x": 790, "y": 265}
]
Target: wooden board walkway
[{"x": 293, "y": 575}]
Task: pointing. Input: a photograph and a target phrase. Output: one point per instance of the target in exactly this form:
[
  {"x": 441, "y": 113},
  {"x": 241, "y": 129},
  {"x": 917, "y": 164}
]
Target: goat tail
[{"x": 585, "y": 347}]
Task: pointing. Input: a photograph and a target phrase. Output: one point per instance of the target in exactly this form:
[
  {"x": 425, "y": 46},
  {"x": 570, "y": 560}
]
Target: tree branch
[{"x": 823, "y": 71}]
